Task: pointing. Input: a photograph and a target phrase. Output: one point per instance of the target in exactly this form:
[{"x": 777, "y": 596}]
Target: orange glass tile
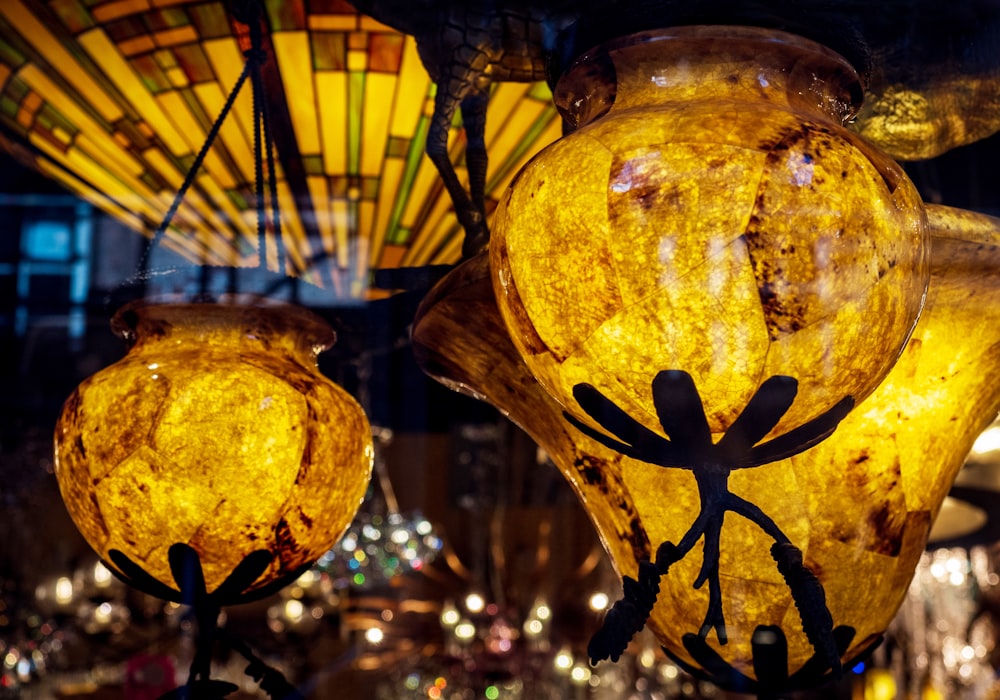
[
  {"x": 113, "y": 10},
  {"x": 37, "y": 34},
  {"x": 333, "y": 23},
  {"x": 138, "y": 45},
  {"x": 171, "y": 37}
]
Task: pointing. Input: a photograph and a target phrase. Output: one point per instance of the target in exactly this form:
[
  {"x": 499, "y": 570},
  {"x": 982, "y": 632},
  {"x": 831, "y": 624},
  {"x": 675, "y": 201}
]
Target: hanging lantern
[
  {"x": 710, "y": 215},
  {"x": 859, "y": 505},
  {"x": 215, "y": 436}
]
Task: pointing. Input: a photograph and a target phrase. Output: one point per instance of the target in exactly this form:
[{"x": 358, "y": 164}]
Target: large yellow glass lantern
[
  {"x": 710, "y": 214},
  {"x": 690, "y": 293},
  {"x": 216, "y": 433},
  {"x": 859, "y": 505}
]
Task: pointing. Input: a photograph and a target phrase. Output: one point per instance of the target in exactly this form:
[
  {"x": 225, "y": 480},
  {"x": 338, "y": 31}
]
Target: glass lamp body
[
  {"x": 217, "y": 431},
  {"x": 859, "y": 505},
  {"x": 710, "y": 214}
]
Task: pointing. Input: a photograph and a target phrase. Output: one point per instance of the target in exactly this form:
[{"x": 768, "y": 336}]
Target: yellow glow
[
  {"x": 64, "y": 590},
  {"x": 474, "y": 602},
  {"x": 233, "y": 443}
]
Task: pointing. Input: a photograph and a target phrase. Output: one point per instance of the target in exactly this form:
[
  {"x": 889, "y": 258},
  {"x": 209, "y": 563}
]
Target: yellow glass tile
[
  {"x": 212, "y": 100},
  {"x": 341, "y": 227},
  {"x": 357, "y": 61},
  {"x": 224, "y": 204},
  {"x": 227, "y": 61},
  {"x": 320, "y": 196},
  {"x": 62, "y": 135},
  {"x": 165, "y": 59},
  {"x": 113, "y": 10},
  {"x": 173, "y": 104},
  {"x": 180, "y": 35},
  {"x": 392, "y": 173},
  {"x": 162, "y": 165},
  {"x": 291, "y": 50},
  {"x": 552, "y": 132},
  {"x": 88, "y": 193},
  {"x": 104, "y": 53},
  {"x": 38, "y": 35},
  {"x": 451, "y": 252},
  {"x": 138, "y": 45},
  {"x": 177, "y": 77},
  {"x": 375, "y": 121},
  {"x": 411, "y": 92},
  {"x": 420, "y": 195},
  {"x": 82, "y": 165},
  {"x": 297, "y": 245},
  {"x": 119, "y": 163},
  {"x": 333, "y": 23},
  {"x": 332, "y": 85},
  {"x": 366, "y": 218}
]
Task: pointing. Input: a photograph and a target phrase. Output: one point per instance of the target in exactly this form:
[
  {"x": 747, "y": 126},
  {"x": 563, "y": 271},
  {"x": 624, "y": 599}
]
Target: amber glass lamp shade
[
  {"x": 216, "y": 432},
  {"x": 710, "y": 214},
  {"x": 859, "y": 505}
]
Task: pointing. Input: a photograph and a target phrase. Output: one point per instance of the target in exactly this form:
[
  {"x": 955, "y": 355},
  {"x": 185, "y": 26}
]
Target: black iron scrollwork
[{"x": 681, "y": 413}]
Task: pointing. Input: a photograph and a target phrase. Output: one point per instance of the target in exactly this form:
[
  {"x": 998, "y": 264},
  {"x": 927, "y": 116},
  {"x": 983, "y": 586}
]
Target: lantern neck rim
[
  {"x": 242, "y": 316},
  {"x": 708, "y": 62}
]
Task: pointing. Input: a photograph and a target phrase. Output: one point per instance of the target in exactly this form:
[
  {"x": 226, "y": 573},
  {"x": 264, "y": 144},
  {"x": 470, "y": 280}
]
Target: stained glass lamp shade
[{"x": 114, "y": 100}]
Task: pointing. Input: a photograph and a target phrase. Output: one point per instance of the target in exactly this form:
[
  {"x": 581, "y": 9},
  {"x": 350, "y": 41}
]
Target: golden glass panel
[
  {"x": 217, "y": 431},
  {"x": 320, "y": 115}
]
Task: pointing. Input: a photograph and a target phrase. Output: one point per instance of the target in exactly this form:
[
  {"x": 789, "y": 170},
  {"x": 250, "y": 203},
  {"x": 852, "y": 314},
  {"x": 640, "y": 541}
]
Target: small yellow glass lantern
[{"x": 216, "y": 436}]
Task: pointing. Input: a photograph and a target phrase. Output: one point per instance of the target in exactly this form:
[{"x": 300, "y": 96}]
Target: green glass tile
[
  {"x": 313, "y": 165},
  {"x": 211, "y": 20},
  {"x": 239, "y": 201},
  {"x": 397, "y": 147},
  {"x": 369, "y": 188},
  {"x": 9, "y": 55},
  {"x": 540, "y": 91},
  {"x": 8, "y": 106},
  {"x": 74, "y": 16},
  {"x": 526, "y": 143},
  {"x": 16, "y": 89},
  {"x": 329, "y": 51},
  {"x": 286, "y": 15},
  {"x": 398, "y": 236},
  {"x": 152, "y": 77},
  {"x": 167, "y": 18},
  {"x": 413, "y": 158},
  {"x": 355, "y": 101},
  {"x": 56, "y": 119}
]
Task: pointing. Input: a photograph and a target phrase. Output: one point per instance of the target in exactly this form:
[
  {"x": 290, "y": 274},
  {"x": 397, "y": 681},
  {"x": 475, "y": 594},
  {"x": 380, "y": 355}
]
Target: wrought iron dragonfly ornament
[{"x": 681, "y": 413}]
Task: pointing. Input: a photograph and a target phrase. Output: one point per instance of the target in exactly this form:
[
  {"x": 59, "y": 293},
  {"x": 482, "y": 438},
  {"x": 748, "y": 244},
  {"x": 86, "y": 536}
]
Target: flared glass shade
[
  {"x": 859, "y": 505},
  {"x": 216, "y": 431},
  {"x": 114, "y": 100},
  {"x": 710, "y": 214}
]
